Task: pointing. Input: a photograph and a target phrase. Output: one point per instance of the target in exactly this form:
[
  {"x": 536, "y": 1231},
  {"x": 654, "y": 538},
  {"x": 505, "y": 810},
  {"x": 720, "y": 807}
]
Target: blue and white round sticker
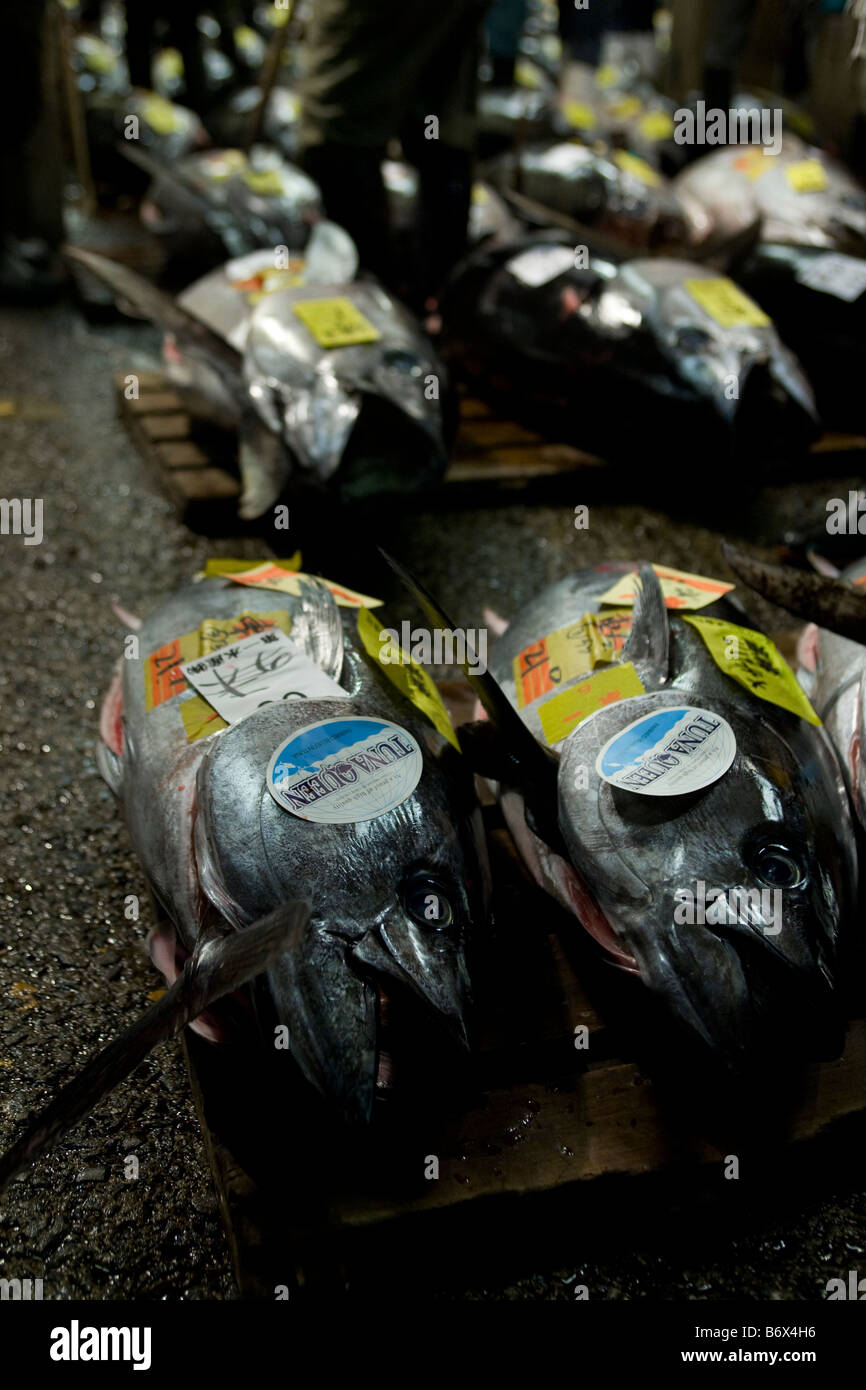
[
  {"x": 669, "y": 752},
  {"x": 343, "y": 770}
]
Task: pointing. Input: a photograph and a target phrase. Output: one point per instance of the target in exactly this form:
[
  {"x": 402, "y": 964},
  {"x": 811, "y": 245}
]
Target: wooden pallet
[
  {"x": 193, "y": 469},
  {"x": 544, "y": 1133}
]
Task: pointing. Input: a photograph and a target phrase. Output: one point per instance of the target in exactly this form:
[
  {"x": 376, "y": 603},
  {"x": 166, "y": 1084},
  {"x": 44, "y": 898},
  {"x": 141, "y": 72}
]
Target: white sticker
[
  {"x": 843, "y": 276},
  {"x": 264, "y": 667},
  {"x": 339, "y": 771},
  {"x": 541, "y": 264},
  {"x": 669, "y": 752}
]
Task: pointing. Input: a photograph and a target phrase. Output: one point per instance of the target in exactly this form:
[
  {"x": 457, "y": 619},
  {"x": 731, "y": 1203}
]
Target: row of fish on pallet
[
  {"x": 723, "y": 307},
  {"x": 307, "y": 819}
]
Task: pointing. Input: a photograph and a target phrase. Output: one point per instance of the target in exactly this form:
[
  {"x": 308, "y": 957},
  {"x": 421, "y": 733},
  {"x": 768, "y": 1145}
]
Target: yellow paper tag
[
  {"x": 267, "y": 182},
  {"x": 680, "y": 589},
  {"x": 404, "y": 673},
  {"x": 200, "y": 719},
  {"x": 480, "y": 196},
  {"x": 271, "y": 576},
  {"x": 278, "y": 16},
  {"x": 571, "y": 651},
  {"x": 625, "y": 109},
  {"x": 578, "y": 114},
  {"x": 527, "y": 75},
  {"x": 335, "y": 322},
  {"x": 726, "y": 303},
  {"x": 161, "y": 115},
  {"x": 563, "y": 712},
  {"x": 656, "y": 125},
  {"x": 162, "y": 678},
  {"x": 607, "y": 75},
  {"x": 752, "y": 660},
  {"x": 217, "y": 567},
  {"x": 215, "y": 633},
  {"x": 633, "y": 164},
  {"x": 807, "y": 176}
]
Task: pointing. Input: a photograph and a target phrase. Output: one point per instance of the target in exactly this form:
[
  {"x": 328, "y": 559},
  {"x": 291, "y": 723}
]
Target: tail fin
[
  {"x": 154, "y": 304},
  {"x": 220, "y": 966}
]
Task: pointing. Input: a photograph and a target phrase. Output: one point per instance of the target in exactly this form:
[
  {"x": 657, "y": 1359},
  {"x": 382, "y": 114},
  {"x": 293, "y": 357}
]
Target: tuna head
[
  {"x": 344, "y": 375},
  {"x": 729, "y": 354},
  {"x": 383, "y": 961},
  {"x": 729, "y": 899}
]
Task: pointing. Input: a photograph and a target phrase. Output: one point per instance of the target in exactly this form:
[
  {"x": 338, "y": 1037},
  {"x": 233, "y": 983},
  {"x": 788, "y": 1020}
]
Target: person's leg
[{"x": 350, "y": 178}]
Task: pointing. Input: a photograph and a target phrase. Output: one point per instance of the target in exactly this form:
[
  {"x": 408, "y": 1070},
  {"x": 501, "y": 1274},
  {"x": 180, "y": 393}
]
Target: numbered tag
[
  {"x": 807, "y": 176},
  {"x": 238, "y": 680},
  {"x": 726, "y": 303},
  {"x": 161, "y": 115},
  {"x": 656, "y": 125},
  {"x": 633, "y": 164},
  {"x": 579, "y": 115},
  {"x": 404, "y": 673},
  {"x": 680, "y": 589},
  {"x": 752, "y": 660},
  {"x": 562, "y": 713},
  {"x": 842, "y": 276},
  {"x": 336, "y": 322},
  {"x": 266, "y": 182}
]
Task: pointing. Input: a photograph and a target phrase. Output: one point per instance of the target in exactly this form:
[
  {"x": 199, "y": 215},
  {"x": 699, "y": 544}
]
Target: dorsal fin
[
  {"x": 648, "y": 646},
  {"x": 530, "y": 769}
]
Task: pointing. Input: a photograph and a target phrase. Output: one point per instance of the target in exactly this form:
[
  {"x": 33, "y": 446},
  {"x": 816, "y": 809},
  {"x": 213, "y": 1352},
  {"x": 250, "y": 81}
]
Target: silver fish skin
[
  {"x": 777, "y": 819},
  {"x": 211, "y": 837},
  {"x": 833, "y": 217},
  {"x": 591, "y": 187},
  {"x": 363, "y": 419},
  {"x": 832, "y": 671},
  {"x": 312, "y": 396},
  {"x": 831, "y": 650}
]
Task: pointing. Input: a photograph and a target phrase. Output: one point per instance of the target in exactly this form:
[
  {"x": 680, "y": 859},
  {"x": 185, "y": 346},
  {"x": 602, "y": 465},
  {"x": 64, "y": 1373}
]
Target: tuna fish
[
  {"x": 817, "y": 300},
  {"x": 336, "y": 385},
  {"x": 614, "y": 192},
  {"x": 219, "y": 203},
  {"x": 831, "y": 651},
  {"x": 800, "y": 196},
  {"x": 389, "y": 888},
  {"x": 771, "y": 836},
  {"x": 596, "y": 346}
]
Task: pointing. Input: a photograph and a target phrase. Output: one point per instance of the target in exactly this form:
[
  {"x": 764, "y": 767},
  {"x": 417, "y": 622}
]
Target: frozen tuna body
[
  {"x": 800, "y": 196},
  {"x": 615, "y": 192},
  {"x": 366, "y": 413},
  {"x": 220, "y": 203},
  {"x": 604, "y": 345},
  {"x": 817, "y": 300},
  {"x": 394, "y": 896},
  {"x": 772, "y": 836}
]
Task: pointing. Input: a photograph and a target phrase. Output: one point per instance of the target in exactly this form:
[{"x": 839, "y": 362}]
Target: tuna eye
[
  {"x": 692, "y": 340},
  {"x": 427, "y": 905},
  {"x": 777, "y": 867}
]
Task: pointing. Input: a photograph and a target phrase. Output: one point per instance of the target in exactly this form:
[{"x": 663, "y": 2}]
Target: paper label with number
[
  {"x": 239, "y": 679},
  {"x": 404, "y": 673},
  {"x": 633, "y": 164},
  {"x": 807, "y": 176},
  {"x": 541, "y": 264},
  {"x": 570, "y": 651},
  {"x": 842, "y": 276},
  {"x": 163, "y": 678},
  {"x": 563, "y": 712},
  {"x": 579, "y": 115},
  {"x": 725, "y": 302},
  {"x": 680, "y": 589},
  {"x": 271, "y": 576},
  {"x": 752, "y": 660},
  {"x": 336, "y": 322}
]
